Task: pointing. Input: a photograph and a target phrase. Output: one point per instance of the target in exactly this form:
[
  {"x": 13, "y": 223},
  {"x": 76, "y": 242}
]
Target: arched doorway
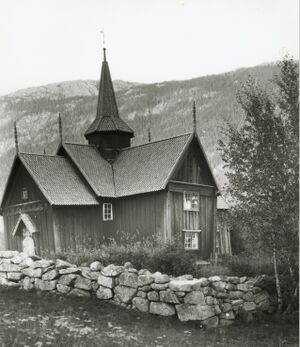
[{"x": 23, "y": 231}]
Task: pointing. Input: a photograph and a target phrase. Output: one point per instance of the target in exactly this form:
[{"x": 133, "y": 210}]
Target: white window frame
[
  {"x": 187, "y": 197},
  {"x": 107, "y": 211},
  {"x": 24, "y": 193},
  {"x": 192, "y": 244}
]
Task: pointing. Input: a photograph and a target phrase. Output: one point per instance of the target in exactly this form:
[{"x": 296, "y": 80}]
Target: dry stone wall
[{"x": 217, "y": 300}]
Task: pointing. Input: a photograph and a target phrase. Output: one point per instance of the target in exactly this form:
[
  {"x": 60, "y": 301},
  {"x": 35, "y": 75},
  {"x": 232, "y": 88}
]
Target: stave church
[{"x": 89, "y": 194}]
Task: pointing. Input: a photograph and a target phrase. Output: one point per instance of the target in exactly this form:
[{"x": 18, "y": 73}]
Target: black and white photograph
[{"x": 149, "y": 173}]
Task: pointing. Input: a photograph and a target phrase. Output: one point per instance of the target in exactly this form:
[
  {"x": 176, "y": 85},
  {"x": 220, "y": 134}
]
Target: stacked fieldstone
[{"x": 213, "y": 301}]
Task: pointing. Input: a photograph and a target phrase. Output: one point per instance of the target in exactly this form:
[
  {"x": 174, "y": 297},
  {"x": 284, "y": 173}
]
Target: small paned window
[
  {"x": 107, "y": 211},
  {"x": 191, "y": 240},
  {"x": 191, "y": 201},
  {"x": 24, "y": 194}
]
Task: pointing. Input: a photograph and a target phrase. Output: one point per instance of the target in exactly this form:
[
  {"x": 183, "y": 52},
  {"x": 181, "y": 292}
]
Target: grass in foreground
[{"x": 38, "y": 319}]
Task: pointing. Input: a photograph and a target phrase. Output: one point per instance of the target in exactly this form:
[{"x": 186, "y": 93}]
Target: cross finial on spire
[
  {"x": 60, "y": 128},
  {"x": 16, "y": 137},
  {"x": 194, "y": 117},
  {"x": 103, "y": 43}
]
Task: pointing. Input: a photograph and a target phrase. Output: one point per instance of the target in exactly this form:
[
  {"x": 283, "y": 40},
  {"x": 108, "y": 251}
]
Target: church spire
[{"x": 108, "y": 131}]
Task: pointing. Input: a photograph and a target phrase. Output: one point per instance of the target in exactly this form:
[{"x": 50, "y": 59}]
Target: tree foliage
[{"x": 261, "y": 157}]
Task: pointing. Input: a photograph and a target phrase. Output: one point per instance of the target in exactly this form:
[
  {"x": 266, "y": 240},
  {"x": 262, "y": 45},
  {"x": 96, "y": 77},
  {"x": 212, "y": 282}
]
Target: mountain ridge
[{"x": 164, "y": 107}]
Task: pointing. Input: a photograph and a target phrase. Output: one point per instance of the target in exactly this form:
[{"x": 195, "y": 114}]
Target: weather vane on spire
[
  {"x": 103, "y": 37},
  {"x": 103, "y": 43}
]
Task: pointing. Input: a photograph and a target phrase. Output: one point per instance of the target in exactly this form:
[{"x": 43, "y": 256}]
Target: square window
[
  {"x": 107, "y": 211},
  {"x": 24, "y": 194},
  {"x": 191, "y": 240},
  {"x": 191, "y": 201}
]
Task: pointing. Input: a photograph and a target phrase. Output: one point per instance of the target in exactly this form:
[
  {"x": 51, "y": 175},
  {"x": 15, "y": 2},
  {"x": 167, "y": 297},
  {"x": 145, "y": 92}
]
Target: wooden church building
[{"x": 88, "y": 194}]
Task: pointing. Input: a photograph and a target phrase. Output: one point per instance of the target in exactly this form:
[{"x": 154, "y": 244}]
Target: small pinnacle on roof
[
  {"x": 60, "y": 127},
  {"x": 149, "y": 135},
  {"x": 194, "y": 117},
  {"x": 16, "y": 137}
]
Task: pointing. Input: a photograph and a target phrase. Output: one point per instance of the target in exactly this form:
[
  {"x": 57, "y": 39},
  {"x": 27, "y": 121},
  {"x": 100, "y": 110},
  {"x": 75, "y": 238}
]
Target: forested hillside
[{"x": 165, "y": 107}]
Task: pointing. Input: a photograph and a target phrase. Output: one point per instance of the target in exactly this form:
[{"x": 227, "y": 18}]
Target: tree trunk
[{"x": 279, "y": 297}]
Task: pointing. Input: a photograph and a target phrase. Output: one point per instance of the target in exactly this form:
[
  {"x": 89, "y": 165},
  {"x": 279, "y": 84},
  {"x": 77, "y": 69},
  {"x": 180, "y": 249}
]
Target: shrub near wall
[{"x": 213, "y": 301}]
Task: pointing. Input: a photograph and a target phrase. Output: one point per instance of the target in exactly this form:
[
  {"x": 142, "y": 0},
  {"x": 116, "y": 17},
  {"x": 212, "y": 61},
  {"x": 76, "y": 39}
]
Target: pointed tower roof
[{"x": 107, "y": 117}]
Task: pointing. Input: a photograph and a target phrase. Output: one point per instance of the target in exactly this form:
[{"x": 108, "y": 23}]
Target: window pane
[
  {"x": 191, "y": 201},
  {"x": 191, "y": 240}
]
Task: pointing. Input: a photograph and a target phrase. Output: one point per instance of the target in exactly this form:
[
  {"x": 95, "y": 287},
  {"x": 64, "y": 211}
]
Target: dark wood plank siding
[
  {"x": 203, "y": 220},
  {"x": 78, "y": 227},
  {"x": 193, "y": 168},
  {"x": 36, "y": 206},
  {"x": 139, "y": 217},
  {"x": 21, "y": 179}
]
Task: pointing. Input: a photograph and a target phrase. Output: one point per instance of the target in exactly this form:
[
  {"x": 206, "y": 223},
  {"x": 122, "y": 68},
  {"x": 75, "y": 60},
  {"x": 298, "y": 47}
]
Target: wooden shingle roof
[
  {"x": 140, "y": 169},
  {"x": 57, "y": 180},
  {"x": 147, "y": 168},
  {"x": 96, "y": 170}
]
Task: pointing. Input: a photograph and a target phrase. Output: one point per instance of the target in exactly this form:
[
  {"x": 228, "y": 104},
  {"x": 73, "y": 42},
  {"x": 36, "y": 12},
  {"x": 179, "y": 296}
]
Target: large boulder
[
  {"x": 233, "y": 279},
  {"x": 124, "y": 294},
  {"x": 187, "y": 312},
  {"x": 8, "y": 267},
  {"x": 159, "y": 286},
  {"x": 8, "y": 254},
  {"x": 184, "y": 285},
  {"x": 162, "y": 309},
  {"x": 50, "y": 275},
  {"x": 43, "y": 263},
  {"x": 249, "y": 306},
  {"x": 236, "y": 295},
  {"x": 15, "y": 276},
  {"x": 112, "y": 270},
  {"x": 27, "y": 283},
  {"x": 160, "y": 278},
  {"x": 62, "y": 264},
  {"x": 215, "y": 278},
  {"x": 83, "y": 283},
  {"x": 69, "y": 270},
  {"x": 128, "y": 279},
  {"x": 144, "y": 280},
  {"x": 67, "y": 280},
  {"x": 245, "y": 287},
  {"x": 104, "y": 293},
  {"x": 80, "y": 292},
  {"x": 141, "y": 304},
  {"x": 153, "y": 296},
  {"x": 45, "y": 285},
  {"x": 201, "y": 282},
  {"x": 96, "y": 266},
  {"x": 26, "y": 262},
  {"x": 17, "y": 259},
  {"x": 168, "y": 296},
  {"x": 195, "y": 298},
  {"x": 106, "y": 281},
  {"x": 62, "y": 288},
  {"x": 34, "y": 273},
  {"x": 7, "y": 283},
  {"x": 219, "y": 286}
]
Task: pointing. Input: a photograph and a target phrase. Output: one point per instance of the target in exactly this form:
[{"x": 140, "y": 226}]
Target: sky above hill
[{"x": 45, "y": 41}]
